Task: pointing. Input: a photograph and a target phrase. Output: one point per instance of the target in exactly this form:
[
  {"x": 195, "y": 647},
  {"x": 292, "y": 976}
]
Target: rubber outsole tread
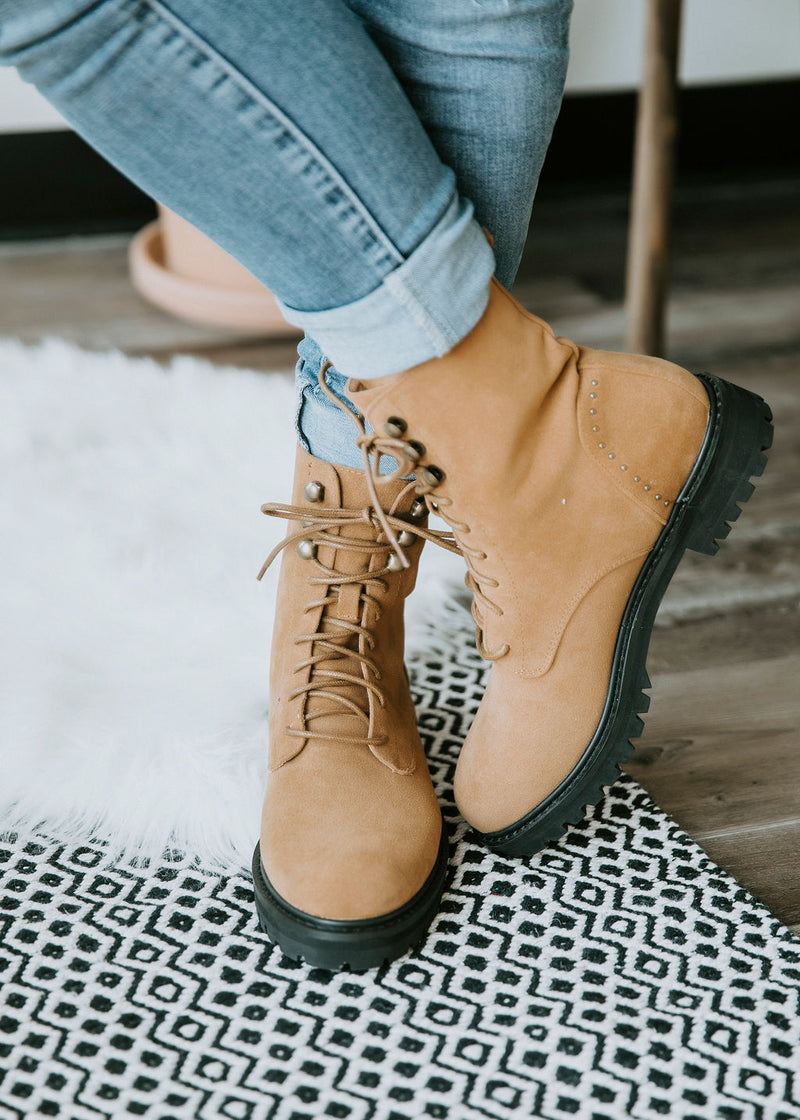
[
  {"x": 343, "y": 965},
  {"x": 357, "y": 945}
]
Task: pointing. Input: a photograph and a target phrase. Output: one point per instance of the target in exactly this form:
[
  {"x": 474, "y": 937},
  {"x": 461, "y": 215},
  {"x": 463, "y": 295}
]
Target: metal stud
[
  {"x": 414, "y": 450},
  {"x": 306, "y": 549},
  {"x": 611, "y": 455},
  {"x": 658, "y": 497},
  {"x": 595, "y": 428},
  {"x": 666, "y": 503},
  {"x": 647, "y": 487},
  {"x": 592, "y": 396},
  {"x": 601, "y": 445},
  {"x": 406, "y": 538},
  {"x": 592, "y": 411},
  {"x": 594, "y": 381},
  {"x": 637, "y": 478},
  {"x": 622, "y": 467},
  {"x": 394, "y": 563},
  {"x": 313, "y": 491},
  {"x": 418, "y": 510},
  {"x": 432, "y": 476},
  {"x": 395, "y": 427}
]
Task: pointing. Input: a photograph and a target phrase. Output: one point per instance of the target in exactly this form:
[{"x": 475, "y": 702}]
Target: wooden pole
[{"x": 654, "y": 157}]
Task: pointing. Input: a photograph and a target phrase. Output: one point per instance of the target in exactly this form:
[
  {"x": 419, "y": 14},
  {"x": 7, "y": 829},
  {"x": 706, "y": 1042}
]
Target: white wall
[
  {"x": 22, "y": 108},
  {"x": 723, "y": 40}
]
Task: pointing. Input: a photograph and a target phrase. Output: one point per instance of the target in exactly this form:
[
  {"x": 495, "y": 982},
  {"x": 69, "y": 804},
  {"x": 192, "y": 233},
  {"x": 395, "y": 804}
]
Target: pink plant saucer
[{"x": 193, "y": 278}]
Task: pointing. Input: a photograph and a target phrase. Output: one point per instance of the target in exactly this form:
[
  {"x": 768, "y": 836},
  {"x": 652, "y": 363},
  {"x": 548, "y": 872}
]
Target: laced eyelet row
[
  {"x": 429, "y": 478},
  {"x": 337, "y": 639},
  {"x": 408, "y": 453},
  {"x": 413, "y": 451}
]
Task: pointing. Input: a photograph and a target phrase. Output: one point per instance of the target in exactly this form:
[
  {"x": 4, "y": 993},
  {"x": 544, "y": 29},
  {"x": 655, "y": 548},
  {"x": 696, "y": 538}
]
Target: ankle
[{"x": 324, "y": 430}]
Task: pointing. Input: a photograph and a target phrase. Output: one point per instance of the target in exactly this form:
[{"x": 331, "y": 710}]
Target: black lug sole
[
  {"x": 738, "y": 435},
  {"x": 359, "y": 944}
]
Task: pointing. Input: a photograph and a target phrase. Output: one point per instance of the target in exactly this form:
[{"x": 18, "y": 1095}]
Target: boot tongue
[
  {"x": 353, "y": 560},
  {"x": 348, "y": 607},
  {"x": 347, "y": 489}
]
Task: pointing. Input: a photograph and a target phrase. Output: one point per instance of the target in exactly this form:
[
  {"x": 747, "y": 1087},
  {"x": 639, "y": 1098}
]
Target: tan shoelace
[
  {"x": 375, "y": 445},
  {"x": 339, "y": 639}
]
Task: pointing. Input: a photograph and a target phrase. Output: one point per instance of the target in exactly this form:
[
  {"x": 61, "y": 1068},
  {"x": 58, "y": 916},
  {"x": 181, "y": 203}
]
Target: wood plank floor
[{"x": 721, "y": 748}]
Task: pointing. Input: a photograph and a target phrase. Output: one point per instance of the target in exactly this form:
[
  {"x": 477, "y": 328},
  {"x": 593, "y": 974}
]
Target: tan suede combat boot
[
  {"x": 352, "y": 858},
  {"x": 574, "y": 480}
]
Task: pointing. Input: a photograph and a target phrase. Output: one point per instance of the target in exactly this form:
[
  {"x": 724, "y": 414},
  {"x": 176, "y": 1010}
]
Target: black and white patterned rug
[{"x": 620, "y": 973}]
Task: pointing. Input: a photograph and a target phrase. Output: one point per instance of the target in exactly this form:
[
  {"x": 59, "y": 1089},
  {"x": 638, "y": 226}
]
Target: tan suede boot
[
  {"x": 574, "y": 480},
  {"x": 352, "y": 859}
]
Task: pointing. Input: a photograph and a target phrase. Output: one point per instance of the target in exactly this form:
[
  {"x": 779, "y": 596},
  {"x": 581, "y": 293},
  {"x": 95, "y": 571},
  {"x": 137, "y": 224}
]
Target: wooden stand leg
[{"x": 648, "y": 235}]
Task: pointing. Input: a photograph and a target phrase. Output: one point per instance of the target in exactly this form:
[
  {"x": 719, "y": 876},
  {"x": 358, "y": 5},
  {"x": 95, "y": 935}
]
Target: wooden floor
[{"x": 721, "y": 749}]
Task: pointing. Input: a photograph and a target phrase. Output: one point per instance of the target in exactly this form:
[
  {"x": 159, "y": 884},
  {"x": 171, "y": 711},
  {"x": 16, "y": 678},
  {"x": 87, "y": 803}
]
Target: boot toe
[
  {"x": 352, "y": 884},
  {"x": 333, "y": 858}
]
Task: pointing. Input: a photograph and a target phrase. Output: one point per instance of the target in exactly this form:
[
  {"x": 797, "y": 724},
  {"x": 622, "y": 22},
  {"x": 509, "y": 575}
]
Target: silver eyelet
[
  {"x": 313, "y": 491},
  {"x": 406, "y": 538},
  {"x": 306, "y": 549},
  {"x": 395, "y": 427},
  {"x": 418, "y": 510},
  {"x": 394, "y": 563},
  {"x": 414, "y": 450},
  {"x": 432, "y": 476}
]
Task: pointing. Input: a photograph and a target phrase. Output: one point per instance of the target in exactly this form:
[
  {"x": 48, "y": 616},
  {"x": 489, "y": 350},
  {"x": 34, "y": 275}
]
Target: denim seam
[
  {"x": 259, "y": 97},
  {"x": 408, "y": 299}
]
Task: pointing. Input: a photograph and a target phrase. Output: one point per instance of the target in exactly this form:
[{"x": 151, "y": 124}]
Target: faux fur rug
[{"x": 135, "y": 638}]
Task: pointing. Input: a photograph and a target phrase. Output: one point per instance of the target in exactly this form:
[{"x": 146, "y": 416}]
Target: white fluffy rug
[{"x": 135, "y": 638}]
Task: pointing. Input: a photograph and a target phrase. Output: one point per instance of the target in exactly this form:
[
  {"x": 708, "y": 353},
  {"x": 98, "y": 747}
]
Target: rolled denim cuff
[{"x": 420, "y": 310}]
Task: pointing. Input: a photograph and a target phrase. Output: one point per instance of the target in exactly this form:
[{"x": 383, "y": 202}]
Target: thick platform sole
[
  {"x": 358, "y": 945},
  {"x": 738, "y": 435}
]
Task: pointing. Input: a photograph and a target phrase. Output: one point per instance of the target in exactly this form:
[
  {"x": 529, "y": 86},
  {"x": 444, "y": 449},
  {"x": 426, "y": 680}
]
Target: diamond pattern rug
[{"x": 620, "y": 973}]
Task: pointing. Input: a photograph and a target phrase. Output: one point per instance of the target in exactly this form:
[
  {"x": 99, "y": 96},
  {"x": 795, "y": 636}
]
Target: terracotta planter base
[{"x": 254, "y": 310}]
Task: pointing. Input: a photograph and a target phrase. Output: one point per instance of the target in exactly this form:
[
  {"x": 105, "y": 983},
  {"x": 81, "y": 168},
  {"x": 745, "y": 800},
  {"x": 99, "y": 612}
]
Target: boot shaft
[{"x": 540, "y": 447}]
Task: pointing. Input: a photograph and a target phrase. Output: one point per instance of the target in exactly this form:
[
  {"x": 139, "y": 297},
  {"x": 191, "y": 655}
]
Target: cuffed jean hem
[{"x": 420, "y": 310}]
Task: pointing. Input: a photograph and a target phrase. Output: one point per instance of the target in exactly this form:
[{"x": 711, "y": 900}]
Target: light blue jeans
[{"x": 347, "y": 152}]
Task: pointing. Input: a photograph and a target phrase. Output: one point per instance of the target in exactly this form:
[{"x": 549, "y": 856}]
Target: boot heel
[{"x": 741, "y": 436}]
